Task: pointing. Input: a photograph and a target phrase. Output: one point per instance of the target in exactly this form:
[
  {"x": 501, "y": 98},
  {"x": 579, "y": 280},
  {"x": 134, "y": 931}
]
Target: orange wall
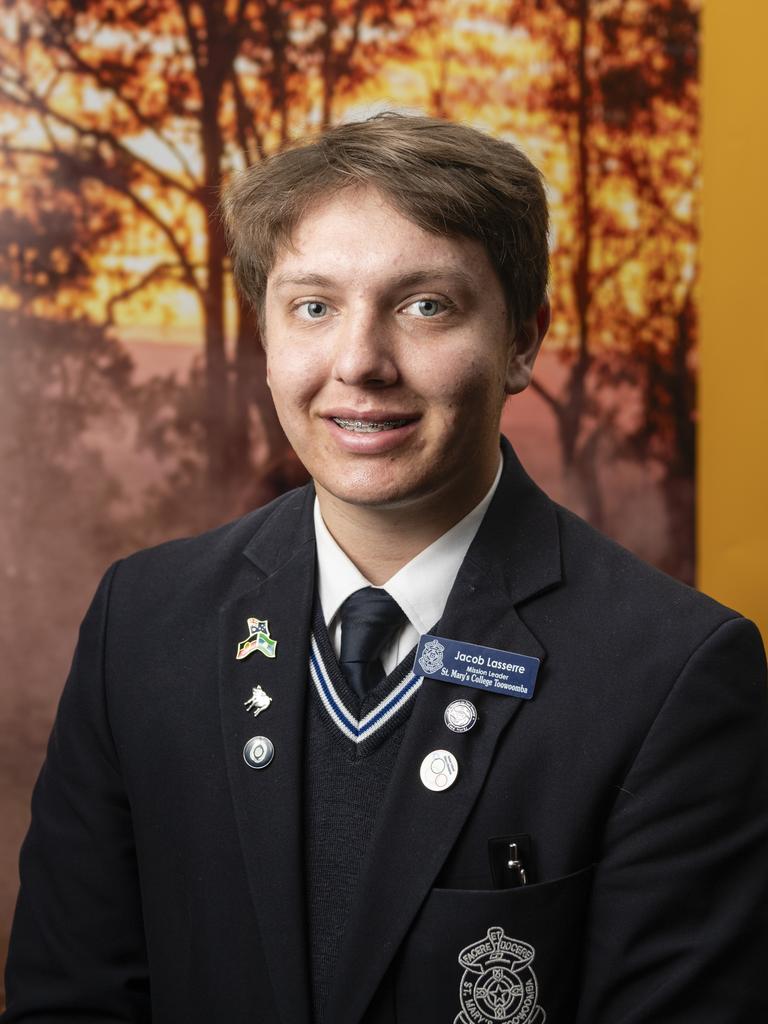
[{"x": 733, "y": 379}]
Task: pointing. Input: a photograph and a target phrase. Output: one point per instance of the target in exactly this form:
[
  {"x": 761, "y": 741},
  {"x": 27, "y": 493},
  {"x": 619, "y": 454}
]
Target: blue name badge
[{"x": 485, "y": 668}]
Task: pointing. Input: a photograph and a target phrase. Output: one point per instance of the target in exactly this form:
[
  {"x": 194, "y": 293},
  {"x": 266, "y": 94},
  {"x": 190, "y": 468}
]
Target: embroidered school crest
[
  {"x": 431, "y": 659},
  {"x": 498, "y": 984}
]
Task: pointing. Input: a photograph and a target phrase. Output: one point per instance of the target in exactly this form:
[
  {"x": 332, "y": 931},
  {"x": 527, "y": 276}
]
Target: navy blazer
[{"x": 162, "y": 878}]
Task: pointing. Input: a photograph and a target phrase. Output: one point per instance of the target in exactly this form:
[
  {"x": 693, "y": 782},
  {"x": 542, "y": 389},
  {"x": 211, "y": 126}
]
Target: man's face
[{"x": 389, "y": 355}]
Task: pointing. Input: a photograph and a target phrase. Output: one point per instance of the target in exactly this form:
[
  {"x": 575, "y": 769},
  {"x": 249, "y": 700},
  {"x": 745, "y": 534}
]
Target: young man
[{"x": 412, "y": 743}]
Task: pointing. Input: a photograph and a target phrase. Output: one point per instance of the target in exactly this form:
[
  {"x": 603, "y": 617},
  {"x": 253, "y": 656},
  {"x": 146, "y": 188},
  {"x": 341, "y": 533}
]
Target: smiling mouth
[{"x": 368, "y": 426}]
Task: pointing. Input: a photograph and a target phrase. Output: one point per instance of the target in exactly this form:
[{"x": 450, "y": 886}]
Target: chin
[
  {"x": 372, "y": 493},
  {"x": 374, "y": 497}
]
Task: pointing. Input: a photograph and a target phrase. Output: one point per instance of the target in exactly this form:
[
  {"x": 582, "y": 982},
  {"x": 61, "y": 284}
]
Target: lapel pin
[
  {"x": 258, "y": 639},
  {"x": 439, "y": 770},
  {"x": 460, "y": 715},
  {"x": 258, "y": 752},
  {"x": 258, "y": 701}
]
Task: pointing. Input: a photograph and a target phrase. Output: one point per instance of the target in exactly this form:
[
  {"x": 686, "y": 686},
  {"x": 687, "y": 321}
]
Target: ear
[{"x": 524, "y": 349}]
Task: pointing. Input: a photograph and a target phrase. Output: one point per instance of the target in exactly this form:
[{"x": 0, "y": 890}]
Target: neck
[{"x": 400, "y": 532}]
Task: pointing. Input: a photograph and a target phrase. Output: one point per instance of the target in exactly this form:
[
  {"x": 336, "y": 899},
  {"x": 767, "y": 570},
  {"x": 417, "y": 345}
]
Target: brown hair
[{"x": 447, "y": 178}]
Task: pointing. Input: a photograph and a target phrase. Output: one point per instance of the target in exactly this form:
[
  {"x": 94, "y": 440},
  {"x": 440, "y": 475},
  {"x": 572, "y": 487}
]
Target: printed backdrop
[{"x": 131, "y": 380}]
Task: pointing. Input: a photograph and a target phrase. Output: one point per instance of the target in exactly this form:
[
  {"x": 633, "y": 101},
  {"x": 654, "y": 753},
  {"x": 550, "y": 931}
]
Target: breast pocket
[{"x": 475, "y": 956}]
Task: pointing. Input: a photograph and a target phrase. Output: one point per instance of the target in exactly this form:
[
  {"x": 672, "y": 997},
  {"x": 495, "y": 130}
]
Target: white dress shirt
[{"x": 421, "y": 587}]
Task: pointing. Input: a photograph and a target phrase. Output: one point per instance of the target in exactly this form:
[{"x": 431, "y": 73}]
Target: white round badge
[
  {"x": 439, "y": 770},
  {"x": 460, "y": 715}
]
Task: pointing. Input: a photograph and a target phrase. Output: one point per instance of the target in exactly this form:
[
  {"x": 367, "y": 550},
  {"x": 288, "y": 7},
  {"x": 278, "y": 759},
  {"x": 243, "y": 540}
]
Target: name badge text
[{"x": 484, "y": 668}]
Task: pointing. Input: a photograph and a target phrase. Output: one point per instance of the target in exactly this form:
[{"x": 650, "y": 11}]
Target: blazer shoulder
[
  {"x": 202, "y": 562},
  {"x": 615, "y": 583}
]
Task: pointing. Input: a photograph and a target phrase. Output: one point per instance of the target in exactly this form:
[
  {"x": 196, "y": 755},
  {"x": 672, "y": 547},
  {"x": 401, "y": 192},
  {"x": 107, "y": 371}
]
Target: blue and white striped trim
[{"x": 355, "y": 730}]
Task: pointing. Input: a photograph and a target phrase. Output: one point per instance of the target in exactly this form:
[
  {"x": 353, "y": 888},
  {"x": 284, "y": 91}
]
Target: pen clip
[
  {"x": 515, "y": 865},
  {"x": 512, "y": 861}
]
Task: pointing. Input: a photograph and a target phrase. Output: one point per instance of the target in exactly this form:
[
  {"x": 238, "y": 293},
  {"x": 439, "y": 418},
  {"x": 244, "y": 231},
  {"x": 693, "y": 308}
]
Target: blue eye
[
  {"x": 424, "y": 308},
  {"x": 315, "y": 310},
  {"x": 428, "y": 307}
]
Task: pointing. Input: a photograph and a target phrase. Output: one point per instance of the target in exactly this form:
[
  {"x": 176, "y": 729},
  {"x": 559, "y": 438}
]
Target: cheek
[
  {"x": 292, "y": 380},
  {"x": 474, "y": 384}
]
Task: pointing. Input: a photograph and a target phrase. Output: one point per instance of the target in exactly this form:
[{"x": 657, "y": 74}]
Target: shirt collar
[
  {"x": 421, "y": 587},
  {"x": 337, "y": 575}
]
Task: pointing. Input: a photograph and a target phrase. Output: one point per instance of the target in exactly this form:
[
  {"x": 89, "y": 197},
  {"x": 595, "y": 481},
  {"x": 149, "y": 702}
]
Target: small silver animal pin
[{"x": 258, "y": 701}]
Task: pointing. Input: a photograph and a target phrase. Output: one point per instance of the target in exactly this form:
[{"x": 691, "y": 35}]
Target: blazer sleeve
[
  {"x": 77, "y": 947},
  {"x": 678, "y": 928}
]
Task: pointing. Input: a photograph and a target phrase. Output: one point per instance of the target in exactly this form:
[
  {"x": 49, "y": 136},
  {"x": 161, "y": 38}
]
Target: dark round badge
[
  {"x": 460, "y": 715},
  {"x": 258, "y": 752}
]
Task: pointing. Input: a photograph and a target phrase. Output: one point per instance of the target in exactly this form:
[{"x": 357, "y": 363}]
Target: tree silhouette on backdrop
[
  {"x": 148, "y": 107},
  {"x": 57, "y": 385},
  {"x": 153, "y": 104},
  {"x": 620, "y": 84}
]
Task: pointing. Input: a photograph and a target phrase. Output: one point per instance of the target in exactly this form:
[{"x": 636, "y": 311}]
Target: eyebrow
[{"x": 415, "y": 278}]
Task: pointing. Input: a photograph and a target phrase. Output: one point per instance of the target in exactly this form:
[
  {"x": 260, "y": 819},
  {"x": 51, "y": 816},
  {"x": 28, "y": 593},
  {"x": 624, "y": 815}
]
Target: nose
[{"x": 364, "y": 354}]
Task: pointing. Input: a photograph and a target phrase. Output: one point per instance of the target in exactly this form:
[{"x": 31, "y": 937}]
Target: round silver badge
[
  {"x": 258, "y": 752},
  {"x": 460, "y": 715},
  {"x": 439, "y": 770}
]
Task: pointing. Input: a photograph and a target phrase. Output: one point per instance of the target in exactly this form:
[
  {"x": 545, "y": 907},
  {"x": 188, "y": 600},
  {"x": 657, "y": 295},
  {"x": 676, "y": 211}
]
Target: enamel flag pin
[
  {"x": 259, "y": 701},
  {"x": 258, "y": 639}
]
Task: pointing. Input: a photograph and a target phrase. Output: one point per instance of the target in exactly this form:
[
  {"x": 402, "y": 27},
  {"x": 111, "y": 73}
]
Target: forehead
[{"x": 359, "y": 233}]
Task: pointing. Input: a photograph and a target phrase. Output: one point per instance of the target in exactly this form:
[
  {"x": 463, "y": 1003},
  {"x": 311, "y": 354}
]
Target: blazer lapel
[
  {"x": 268, "y": 802},
  {"x": 515, "y": 555}
]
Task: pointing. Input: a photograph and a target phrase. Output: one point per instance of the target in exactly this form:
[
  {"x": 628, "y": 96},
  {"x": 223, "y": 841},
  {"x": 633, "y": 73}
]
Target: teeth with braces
[{"x": 368, "y": 426}]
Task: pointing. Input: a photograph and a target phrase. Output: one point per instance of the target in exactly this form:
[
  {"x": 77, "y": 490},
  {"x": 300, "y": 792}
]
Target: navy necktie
[{"x": 369, "y": 620}]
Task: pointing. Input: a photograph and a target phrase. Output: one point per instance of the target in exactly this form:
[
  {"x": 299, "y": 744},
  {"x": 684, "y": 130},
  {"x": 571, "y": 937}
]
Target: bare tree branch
[
  {"x": 274, "y": 22},
  {"x": 98, "y": 172},
  {"x": 638, "y": 241},
  {"x": 639, "y": 172},
  {"x": 192, "y": 40},
  {"x": 159, "y": 271},
  {"x": 96, "y": 72},
  {"x": 349, "y": 52},
  {"x": 246, "y": 123},
  {"x": 548, "y": 397},
  {"x": 31, "y": 101}
]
